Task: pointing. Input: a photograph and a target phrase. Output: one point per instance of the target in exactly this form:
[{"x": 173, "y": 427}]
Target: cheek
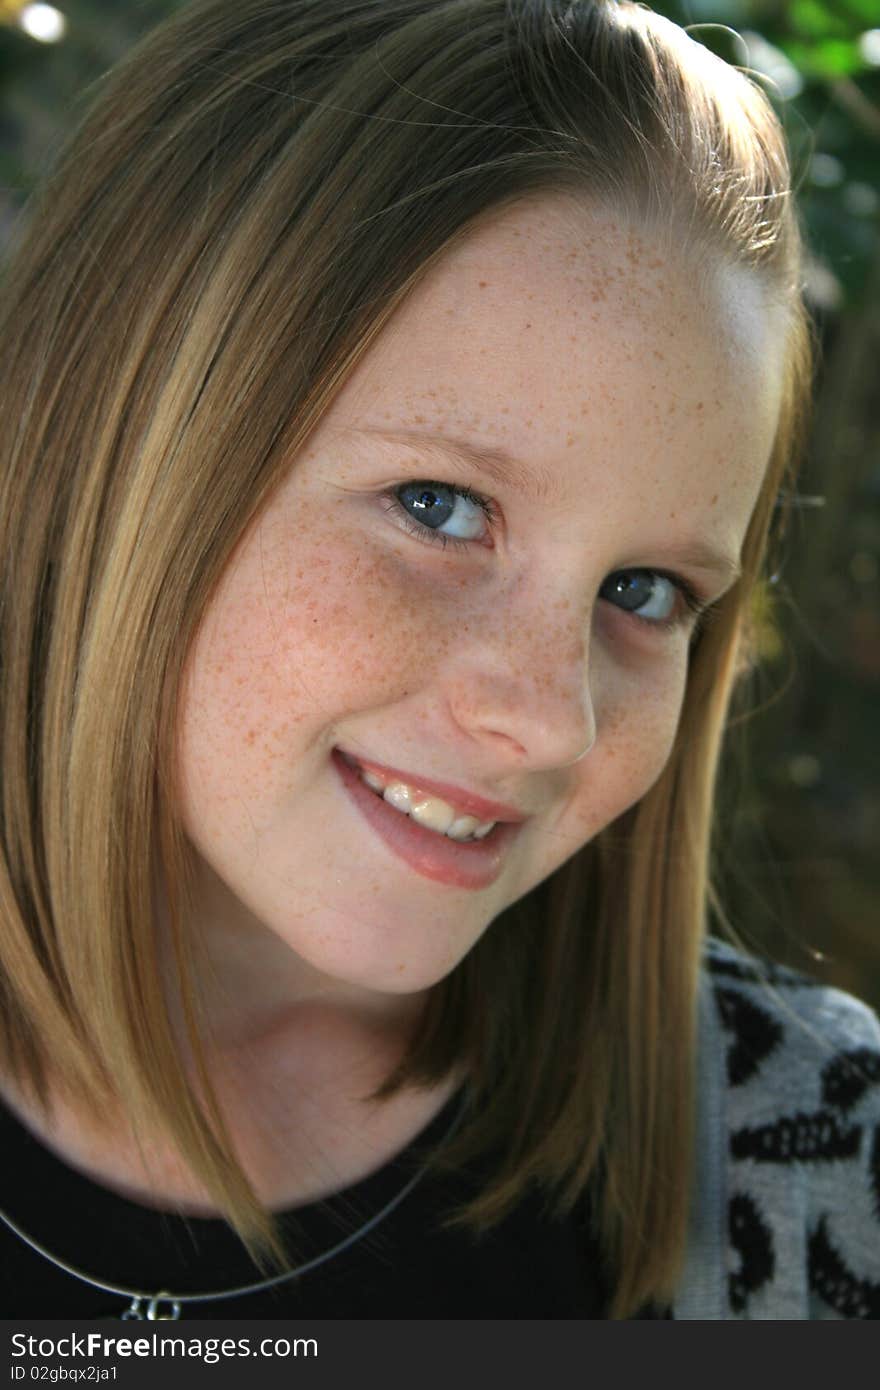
[
  {"x": 303, "y": 631},
  {"x": 638, "y": 720}
]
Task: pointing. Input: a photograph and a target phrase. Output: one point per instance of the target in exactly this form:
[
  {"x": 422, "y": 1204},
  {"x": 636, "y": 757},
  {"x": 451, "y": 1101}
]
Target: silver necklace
[{"x": 166, "y": 1306}]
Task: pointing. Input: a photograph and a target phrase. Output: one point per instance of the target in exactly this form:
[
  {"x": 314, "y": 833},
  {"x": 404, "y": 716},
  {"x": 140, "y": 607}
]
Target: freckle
[
  {"x": 528, "y": 325},
  {"x": 482, "y": 284},
  {"x": 714, "y": 500},
  {"x": 699, "y": 405}
]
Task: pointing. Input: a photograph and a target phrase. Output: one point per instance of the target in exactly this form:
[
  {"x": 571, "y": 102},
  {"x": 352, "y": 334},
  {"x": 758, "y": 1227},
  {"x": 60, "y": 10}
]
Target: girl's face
[{"x": 529, "y": 649}]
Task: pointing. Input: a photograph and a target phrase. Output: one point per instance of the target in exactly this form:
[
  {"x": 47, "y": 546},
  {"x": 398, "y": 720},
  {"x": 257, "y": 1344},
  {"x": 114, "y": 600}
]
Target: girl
[{"x": 398, "y": 393}]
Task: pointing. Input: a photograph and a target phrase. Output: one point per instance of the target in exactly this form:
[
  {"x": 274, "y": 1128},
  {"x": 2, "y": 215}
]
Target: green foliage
[{"x": 813, "y": 62}]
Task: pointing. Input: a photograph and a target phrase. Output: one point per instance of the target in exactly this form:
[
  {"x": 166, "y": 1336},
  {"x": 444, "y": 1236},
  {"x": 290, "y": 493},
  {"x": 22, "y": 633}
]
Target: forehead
[{"x": 569, "y": 338}]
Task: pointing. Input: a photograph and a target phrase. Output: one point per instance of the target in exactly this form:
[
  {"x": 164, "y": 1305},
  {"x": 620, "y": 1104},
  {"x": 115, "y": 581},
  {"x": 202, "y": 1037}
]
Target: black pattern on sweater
[
  {"x": 752, "y": 1239},
  {"x": 806, "y": 1138},
  {"x": 845, "y": 1080},
  {"x": 803, "y": 1143},
  {"x": 841, "y": 1289},
  {"x": 755, "y": 1034}
]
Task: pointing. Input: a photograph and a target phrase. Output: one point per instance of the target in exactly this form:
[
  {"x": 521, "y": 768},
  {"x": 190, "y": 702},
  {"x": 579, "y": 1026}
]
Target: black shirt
[{"x": 528, "y": 1266}]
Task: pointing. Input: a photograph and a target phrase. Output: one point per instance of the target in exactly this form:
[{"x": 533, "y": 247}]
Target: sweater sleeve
[{"x": 801, "y": 1185}]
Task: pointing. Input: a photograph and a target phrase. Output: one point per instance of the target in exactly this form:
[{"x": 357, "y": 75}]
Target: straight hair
[{"x": 247, "y": 198}]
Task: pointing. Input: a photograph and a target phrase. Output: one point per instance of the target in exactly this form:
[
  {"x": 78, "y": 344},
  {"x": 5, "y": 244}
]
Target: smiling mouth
[
  {"x": 473, "y": 862},
  {"x": 430, "y": 812},
  {"x": 460, "y": 801}
]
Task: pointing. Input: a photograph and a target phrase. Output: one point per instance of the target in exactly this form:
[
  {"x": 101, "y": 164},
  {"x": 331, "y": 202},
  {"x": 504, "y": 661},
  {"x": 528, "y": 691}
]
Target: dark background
[{"x": 801, "y": 860}]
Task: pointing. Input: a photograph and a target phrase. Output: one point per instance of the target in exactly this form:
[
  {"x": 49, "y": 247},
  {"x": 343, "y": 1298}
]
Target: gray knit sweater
[{"x": 785, "y": 1216}]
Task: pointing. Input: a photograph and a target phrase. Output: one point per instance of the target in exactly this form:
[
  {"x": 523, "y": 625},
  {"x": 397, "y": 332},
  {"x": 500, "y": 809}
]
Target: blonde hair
[{"x": 252, "y": 192}]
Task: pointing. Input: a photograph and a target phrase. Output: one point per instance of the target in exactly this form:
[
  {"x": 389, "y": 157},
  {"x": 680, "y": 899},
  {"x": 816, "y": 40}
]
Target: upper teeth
[{"x": 429, "y": 811}]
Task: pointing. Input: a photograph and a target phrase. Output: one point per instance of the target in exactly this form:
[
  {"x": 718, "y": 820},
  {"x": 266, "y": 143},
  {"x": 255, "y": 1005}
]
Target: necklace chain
[{"x": 148, "y": 1306}]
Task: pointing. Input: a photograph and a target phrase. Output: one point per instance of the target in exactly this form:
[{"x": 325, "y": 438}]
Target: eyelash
[
  {"x": 486, "y": 505},
  {"x": 693, "y": 603}
]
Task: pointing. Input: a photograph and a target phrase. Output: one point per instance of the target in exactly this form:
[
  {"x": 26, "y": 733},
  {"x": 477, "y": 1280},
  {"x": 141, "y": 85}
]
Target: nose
[{"x": 523, "y": 688}]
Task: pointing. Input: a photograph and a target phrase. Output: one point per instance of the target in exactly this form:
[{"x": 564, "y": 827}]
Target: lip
[
  {"x": 464, "y": 802},
  {"x": 475, "y": 864}
]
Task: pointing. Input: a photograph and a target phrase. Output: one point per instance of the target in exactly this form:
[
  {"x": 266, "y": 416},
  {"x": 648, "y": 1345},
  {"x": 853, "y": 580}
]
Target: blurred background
[{"x": 800, "y": 858}]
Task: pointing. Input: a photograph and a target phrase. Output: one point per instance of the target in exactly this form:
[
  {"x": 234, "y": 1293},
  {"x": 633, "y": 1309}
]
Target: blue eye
[
  {"x": 638, "y": 589},
  {"x": 423, "y": 507},
  {"x": 439, "y": 504}
]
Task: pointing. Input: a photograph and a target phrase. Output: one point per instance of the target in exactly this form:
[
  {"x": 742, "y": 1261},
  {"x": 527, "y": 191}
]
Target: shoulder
[
  {"x": 801, "y": 1075},
  {"x": 777, "y": 1019}
]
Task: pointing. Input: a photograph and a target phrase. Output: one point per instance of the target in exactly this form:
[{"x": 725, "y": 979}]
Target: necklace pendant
[
  {"x": 153, "y": 1311},
  {"x": 154, "y": 1308}
]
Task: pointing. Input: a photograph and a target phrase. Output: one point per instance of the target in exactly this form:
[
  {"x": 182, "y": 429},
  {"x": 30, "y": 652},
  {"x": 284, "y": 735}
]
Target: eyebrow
[
  {"x": 497, "y": 464},
  {"x": 536, "y": 483}
]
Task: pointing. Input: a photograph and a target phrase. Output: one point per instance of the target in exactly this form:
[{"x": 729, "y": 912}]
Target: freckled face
[{"x": 642, "y": 413}]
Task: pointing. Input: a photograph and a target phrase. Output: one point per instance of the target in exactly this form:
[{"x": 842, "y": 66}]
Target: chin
[{"x": 385, "y": 971}]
